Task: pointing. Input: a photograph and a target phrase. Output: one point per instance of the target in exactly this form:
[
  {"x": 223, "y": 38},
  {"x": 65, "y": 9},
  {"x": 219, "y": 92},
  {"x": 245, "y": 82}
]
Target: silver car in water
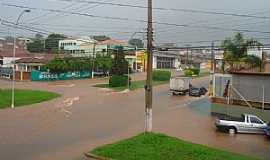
[{"x": 247, "y": 123}]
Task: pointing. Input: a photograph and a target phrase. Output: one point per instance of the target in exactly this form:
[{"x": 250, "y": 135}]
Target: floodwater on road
[
  {"x": 252, "y": 144},
  {"x": 86, "y": 117}
]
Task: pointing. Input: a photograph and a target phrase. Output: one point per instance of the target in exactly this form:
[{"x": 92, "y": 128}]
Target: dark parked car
[
  {"x": 197, "y": 92},
  {"x": 267, "y": 131},
  {"x": 203, "y": 90}
]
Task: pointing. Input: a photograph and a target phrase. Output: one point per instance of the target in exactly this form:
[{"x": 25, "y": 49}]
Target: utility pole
[
  {"x": 44, "y": 46},
  {"x": 212, "y": 57},
  {"x": 149, "y": 87},
  {"x": 187, "y": 58},
  {"x": 93, "y": 59},
  {"x": 212, "y": 72}
]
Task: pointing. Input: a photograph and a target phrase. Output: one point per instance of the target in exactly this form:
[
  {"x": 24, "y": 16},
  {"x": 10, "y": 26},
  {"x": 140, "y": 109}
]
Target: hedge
[
  {"x": 160, "y": 75},
  {"x": 192, "y": 71},
  {"x": 118, "y": 81}
]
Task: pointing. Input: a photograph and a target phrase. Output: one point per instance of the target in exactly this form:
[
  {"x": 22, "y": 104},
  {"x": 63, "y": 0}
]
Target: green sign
[{"x": 47, "y": 76}]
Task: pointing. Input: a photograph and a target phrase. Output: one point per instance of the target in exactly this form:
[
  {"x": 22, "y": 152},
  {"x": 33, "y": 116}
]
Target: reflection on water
[{"x": 205, "y": 107}]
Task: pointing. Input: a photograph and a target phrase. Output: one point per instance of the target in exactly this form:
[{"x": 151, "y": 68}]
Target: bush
[
  {"x": 118, "y": 81},
  {"x": 192, "y": 71},
  {"x": 196, "y": 71},
  {"x": 188, "y": 72},
  {"x": 159, "y": 75}
]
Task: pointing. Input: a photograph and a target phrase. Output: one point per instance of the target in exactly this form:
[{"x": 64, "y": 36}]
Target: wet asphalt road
[{"x": 86, "y": 117}]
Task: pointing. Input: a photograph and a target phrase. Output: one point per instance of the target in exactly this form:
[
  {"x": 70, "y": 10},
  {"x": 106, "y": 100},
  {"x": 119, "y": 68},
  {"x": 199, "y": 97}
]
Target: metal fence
[{"x": 243, "y": 87}]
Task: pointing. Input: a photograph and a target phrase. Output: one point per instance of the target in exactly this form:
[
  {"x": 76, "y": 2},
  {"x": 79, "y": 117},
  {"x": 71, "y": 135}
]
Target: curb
[{"x": 90, "y": 155}]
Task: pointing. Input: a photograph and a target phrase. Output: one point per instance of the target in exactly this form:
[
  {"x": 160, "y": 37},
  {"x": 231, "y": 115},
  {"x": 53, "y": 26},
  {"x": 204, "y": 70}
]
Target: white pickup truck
[{"x": 246, "y": 124}]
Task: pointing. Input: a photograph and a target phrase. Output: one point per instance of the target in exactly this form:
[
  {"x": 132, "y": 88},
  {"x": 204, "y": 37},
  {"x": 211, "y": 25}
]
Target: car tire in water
[{"x": 232, "y": 130}]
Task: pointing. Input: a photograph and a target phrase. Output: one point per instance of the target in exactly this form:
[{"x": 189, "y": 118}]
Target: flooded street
[
  {"x": 86, "y": 117},
  {"x": 196, "y": 124}
]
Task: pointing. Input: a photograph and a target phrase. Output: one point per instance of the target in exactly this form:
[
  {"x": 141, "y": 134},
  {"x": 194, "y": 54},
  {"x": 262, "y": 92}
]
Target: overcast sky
[{"x": 74, "y": 25}]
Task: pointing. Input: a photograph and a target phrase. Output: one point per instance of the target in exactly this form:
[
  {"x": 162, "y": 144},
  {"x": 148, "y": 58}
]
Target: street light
[{"x": 14, "y": 56}]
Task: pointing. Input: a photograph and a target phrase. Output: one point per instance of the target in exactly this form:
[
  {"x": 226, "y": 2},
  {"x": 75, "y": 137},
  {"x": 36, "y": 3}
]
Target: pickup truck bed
[{"x": 230, "y": 118}]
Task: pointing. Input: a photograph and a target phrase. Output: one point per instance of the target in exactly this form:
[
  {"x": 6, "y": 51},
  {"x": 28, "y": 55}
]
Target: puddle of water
[{"x": 205, "y": 107}]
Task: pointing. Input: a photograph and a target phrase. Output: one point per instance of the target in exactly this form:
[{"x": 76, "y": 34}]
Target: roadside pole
[
  {"x": 212, "y": 72},
  {"x": 187, "y": 57},
  {"x": 148, "y": 87},
  {"x": 14, "y": 57},
  {"x": 93, "y": 60},
  {"x": 128, "y": 77},
  {"x": 44, "y": 46}
]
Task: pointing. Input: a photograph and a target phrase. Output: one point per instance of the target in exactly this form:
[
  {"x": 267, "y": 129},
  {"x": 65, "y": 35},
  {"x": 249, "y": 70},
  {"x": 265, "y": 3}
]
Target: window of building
[{"x": 165, "y": 62}]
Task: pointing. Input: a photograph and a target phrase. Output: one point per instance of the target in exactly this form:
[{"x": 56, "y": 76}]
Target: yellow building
[{"x": 141, "y": 60}]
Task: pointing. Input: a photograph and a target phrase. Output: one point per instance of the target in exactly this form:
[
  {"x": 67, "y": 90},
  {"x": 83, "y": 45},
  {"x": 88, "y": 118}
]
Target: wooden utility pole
[
  {"x": 212, "y": 72},
  {"x": 212, "y": 57},
  {"x": 187, "y": 56},
  {"x": 148, "y": 87}
]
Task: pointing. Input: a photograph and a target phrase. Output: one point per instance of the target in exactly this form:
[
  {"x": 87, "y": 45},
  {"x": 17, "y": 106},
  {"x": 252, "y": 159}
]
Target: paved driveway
[{"x": 86, "y": 117}]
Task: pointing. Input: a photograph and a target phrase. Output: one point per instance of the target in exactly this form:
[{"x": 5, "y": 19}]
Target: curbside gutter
[{"x": 96, "y": 157}]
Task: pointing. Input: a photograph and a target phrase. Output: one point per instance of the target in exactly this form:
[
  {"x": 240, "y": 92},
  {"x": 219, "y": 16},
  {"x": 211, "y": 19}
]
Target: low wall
[
  {"x": 47, "y": 76},
  {"x": 257, "y": 105}
]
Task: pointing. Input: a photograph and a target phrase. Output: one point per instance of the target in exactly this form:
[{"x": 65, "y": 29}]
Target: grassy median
[
  {"x": 25, "y": 97},
  {"x": 161, "y": 147},
  {"x": 133, "y": 86}
]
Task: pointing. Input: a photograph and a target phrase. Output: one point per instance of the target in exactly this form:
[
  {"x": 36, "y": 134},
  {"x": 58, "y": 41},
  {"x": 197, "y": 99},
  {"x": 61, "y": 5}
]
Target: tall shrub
[
  {"x": 119, "y": 69},
  {"x": 160, "y": 75}
]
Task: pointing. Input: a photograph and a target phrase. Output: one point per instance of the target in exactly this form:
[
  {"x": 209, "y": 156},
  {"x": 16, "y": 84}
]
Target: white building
[
  {"x": 81, "y": 47},
  {"x": 166, "y": 59}
]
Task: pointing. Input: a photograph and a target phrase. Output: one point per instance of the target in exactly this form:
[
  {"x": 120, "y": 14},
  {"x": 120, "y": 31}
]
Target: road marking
[
  {"x": 67, "y": 103},
  {"x": 67, "y": 86}
]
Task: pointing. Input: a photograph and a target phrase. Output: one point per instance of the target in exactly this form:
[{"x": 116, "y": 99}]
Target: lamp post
[{"x": 14, "y": 56}]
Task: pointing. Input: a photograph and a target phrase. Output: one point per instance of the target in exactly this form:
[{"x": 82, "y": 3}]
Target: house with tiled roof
[{"x": 6, "y": 53}]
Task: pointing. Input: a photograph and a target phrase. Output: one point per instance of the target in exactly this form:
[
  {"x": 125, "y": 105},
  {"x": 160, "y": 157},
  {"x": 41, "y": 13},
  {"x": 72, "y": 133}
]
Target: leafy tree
[
  {"x": 36, "y": 46},
  {"x": 136, "y": 42},
  {"x": 119, "y": 65},
  {"x": 39, "y": 36},
  {"x": 104, "y": 63},
  {"x": 101, "y": 38},
  {"x": 235, "y": 51},
  {"x": 52, "y": 42},
  {"x": 60, "y": 65}
]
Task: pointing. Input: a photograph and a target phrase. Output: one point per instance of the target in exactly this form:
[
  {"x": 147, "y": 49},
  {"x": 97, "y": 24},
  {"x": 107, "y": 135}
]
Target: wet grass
[
  {"x": 25, "y": 97},
  {"x": 161, "y": 147},
  {"x": 133, "y": 86}
]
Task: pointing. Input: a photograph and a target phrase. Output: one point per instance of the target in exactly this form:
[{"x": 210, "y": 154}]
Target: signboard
[{"x": 47, "y": 76}]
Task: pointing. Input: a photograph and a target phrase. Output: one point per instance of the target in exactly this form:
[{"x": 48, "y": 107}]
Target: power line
[
  {"x": 47, "y": 32},
  {"x": 46, "y": 14},
  {"x": 169, "y": 9},
  {"x": 208, "y": 41},
  {"x": 137, "y": 20}
]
